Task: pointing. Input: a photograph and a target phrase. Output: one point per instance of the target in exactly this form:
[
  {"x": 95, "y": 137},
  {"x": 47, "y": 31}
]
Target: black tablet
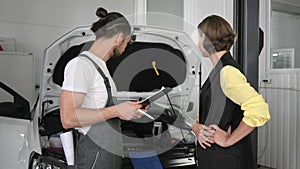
[{"x": 155, "y": 96}]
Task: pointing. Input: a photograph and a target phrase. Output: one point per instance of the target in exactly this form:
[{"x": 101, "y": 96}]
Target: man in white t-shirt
[{"x": 86, "y": 97}]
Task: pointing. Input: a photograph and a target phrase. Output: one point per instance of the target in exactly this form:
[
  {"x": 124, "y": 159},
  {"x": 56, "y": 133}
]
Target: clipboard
[{"x": 150, "y": 99}]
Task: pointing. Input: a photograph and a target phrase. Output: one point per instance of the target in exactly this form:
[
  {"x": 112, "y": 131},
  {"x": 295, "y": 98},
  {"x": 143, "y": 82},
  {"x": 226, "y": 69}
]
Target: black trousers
[{"x": 216, "y": 157}]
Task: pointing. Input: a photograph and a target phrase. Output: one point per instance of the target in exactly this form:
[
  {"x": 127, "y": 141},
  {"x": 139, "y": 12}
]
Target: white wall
[
  {"x": 195, "y": 11},
  {"x": 37, "y": 23},
  {"x": 20, "y": 80},
  {"x": 173, "y": 19}
]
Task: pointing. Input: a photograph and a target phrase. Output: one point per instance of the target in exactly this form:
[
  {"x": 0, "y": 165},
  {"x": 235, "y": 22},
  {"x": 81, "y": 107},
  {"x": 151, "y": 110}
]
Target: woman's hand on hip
[
  {"x": 203, "y": 134},
  {"x": 221, "y": 137}
]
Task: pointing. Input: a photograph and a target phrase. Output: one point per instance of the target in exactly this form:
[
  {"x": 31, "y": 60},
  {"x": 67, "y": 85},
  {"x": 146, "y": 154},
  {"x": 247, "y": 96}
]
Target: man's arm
[{"x": 73, "y": 115}]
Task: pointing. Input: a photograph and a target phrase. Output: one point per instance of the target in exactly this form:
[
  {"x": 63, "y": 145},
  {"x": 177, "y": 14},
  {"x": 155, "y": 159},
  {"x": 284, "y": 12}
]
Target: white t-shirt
[{"x": 82, "y": 76}]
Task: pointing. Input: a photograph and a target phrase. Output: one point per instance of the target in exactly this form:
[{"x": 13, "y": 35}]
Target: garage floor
[
  {"x": 194, "y": 167},
  {"x": 262, "y": 167}
]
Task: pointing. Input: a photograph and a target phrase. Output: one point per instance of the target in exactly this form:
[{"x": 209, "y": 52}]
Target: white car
[{"x": 156, "y": 57}]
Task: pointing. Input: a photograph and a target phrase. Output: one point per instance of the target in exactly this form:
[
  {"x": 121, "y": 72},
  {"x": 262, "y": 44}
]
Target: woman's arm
[
  {"x": 235, "y": 86},
  {"x": 226, "y": 139},
  {"x": 203, "y": 134},
  {"x": 256, "y": 113}
]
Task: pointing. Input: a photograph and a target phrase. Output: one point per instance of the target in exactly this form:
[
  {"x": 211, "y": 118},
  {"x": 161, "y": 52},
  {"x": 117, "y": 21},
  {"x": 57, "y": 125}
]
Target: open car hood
[{"x": 176, "y": 56}]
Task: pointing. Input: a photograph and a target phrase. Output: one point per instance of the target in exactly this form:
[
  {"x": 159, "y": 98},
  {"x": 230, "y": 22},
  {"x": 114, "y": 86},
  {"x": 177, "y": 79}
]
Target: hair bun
[{"x": 101, "y": 12}]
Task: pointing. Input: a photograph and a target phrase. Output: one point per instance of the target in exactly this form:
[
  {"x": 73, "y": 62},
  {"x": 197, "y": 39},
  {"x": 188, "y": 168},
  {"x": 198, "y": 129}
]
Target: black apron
[
  {"x": 216, "y": 108},
  {"x": 101, "y": 147}
]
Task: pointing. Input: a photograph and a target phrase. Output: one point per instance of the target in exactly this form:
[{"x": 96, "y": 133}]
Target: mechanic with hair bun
[{"x": 86, "y": 102}]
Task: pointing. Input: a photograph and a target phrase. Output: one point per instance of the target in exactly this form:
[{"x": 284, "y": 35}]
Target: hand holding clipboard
[{"x": 145, "y": 102}]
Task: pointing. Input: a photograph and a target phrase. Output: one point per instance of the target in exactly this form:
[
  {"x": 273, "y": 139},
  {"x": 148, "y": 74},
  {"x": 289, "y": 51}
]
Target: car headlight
[{"x": 46, "y": 162}]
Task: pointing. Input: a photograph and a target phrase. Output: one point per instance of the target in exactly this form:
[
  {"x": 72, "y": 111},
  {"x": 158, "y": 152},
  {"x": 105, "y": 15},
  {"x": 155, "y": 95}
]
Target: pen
[{"x": 146, "y": 114}]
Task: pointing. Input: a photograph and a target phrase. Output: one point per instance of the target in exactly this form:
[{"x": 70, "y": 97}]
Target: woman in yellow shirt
[{"x": 230, "y": 108}]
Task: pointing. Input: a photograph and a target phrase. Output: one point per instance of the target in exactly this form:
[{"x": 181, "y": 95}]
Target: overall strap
[
  {"x": 106, "y": 80},
  {"x": 106, "y": 134}
]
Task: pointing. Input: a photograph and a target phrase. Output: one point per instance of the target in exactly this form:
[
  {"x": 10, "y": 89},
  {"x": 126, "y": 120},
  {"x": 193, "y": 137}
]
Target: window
[
  {"x": 282, "y": 58},
  {"x": 285, "y": 37}
]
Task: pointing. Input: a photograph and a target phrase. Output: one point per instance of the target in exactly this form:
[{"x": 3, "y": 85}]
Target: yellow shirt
[{"x": 235, "y": 86}]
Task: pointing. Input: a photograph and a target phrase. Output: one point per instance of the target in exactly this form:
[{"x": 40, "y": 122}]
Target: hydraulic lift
[{"x": 248, "y": 46}]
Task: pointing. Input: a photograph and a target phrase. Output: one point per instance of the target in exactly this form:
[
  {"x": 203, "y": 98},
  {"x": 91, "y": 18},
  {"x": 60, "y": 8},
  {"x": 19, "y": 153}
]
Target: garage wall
[
  {"x": 174, "y": 8},
  {"x": 37, "y": 23},
  {"x": 279, "y": 139},
  {"x": 195, "y": 11}
]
